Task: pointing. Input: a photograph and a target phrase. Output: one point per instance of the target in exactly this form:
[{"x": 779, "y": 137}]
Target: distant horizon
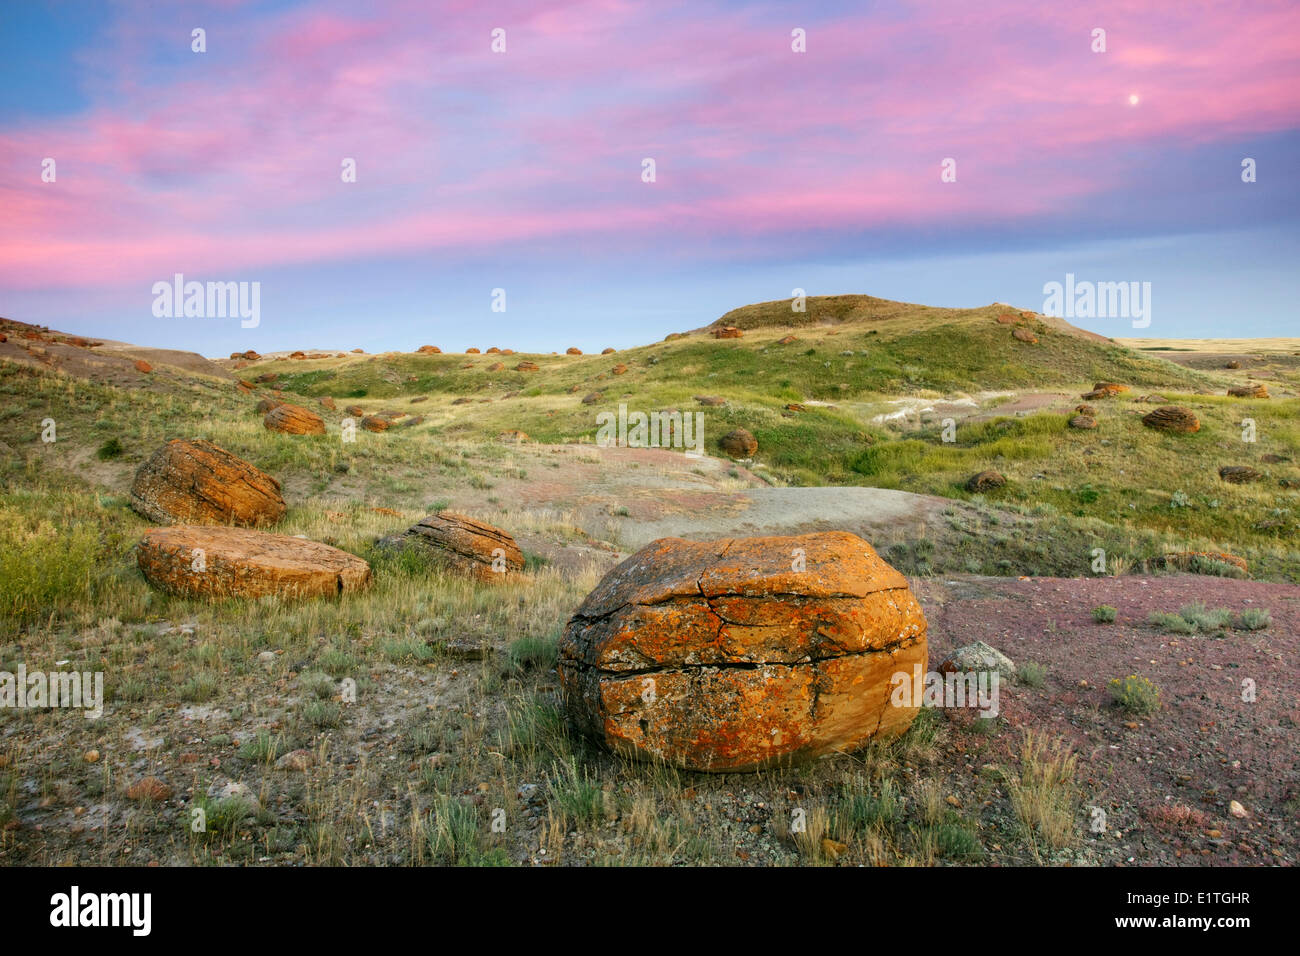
[{"x": 617, "y": 170}]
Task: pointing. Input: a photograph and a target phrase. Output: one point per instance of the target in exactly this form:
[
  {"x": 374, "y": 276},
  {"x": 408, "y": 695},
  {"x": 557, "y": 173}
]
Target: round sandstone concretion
[
  {"x": 743, "y": 653},
  {"x": 197, "y": 481},
  {"x": 294, "y": 420},
  {"x": 199, "y": 560}
]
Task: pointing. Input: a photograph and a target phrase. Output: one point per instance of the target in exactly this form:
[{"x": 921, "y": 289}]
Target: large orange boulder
[
  {"x": 216, "y": 561},
  {"x": 743, "y": 653},
  {"x": 468, "y": 546},
  {"x": 294, "y": 420},
  {"x": 199, "y": 483}
]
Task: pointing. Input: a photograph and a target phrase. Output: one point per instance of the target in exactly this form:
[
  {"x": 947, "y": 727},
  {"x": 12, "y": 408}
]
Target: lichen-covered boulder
[
  {"x": 197, "y": 482},
  {"x": 743, "y": 653},
  {"x": 739, "y": 443}
]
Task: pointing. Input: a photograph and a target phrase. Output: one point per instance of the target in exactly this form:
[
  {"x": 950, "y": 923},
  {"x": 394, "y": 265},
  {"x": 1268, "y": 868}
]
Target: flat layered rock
[
  {"x": 743, "y": 653},
  {"x": 208, "y": 561},
  {"x": 1239, "y": 474},
  {"x": 197, "y": 482},
  {"x": 1248, "y": 391},
  {"x": 466, "y": 545}
]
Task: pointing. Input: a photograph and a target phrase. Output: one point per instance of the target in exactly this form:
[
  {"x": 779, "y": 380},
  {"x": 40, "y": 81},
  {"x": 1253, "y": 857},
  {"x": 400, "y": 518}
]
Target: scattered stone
[
  {"x": 376, "y": 423},
  {"x": 788, "y": 340},
  {"x": 297, "y": 355},
  {"x": 196, "y": 482},
  {"x": 750, "y": 663},
  {"x": 977, "y": 657},
  {"x": 471, "y": 352},
  {"x": 91, "y": 756},
  {"x": 1233, "y": 364},
  {"x": 985, "y": 481},
  {"x": 356, "y": 411},
  {"x": 496, "y": 366},
  {"x": 1248, "y": 391},
  {"x": 1239, "y": 474},
  {"x": 1172, "y": 418},
  {"x": 328, "y": 402},
  {"x": 618, "y": 369},
  {"x": 527, "y": 367},
  {"x": 739, "y": 443},
  {"x": 1006, "y": 319},
  {"x": 573, "y": 351},
  {"x": 266, "y": 404},
  {"x": 593, "y": 398},
  {"x": 1024, "y": 335},
  {"x": 795, "y": 407},
  {"x": 468, "y": 546},
  {"x": 727, "y": 332},
  {"x": 297, "y": 760},
  {"x": 1083, "y": 421},
  {"x": 429, "y": 350},
  {"x": 1088, "y": 410},
  {"x": 199, "y": 560},
  {"x": 606, "y": 351},
  {"x": 294, "y": 420},
  {"x": 1274, "y": 459},
  {"x": 712, "y": 401},
  {"x": 142, "y": 366},
  {"x": 1237, "y": 810}
]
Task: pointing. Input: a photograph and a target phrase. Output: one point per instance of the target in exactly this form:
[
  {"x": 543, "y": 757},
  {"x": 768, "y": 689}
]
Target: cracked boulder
[
  {"x": 200, "y": 560},
  {"x": 743, "y": 653},
  {"x": 201, "y": 483}
]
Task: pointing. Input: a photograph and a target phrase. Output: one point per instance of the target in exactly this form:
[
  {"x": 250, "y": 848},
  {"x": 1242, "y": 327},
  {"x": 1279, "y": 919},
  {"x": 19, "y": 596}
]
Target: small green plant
[
  {"x": 109, "y": 450},
  {"x": 200, "y": 687},
  {"x": 1179, "y": 499},
  {"x": 1253, "y": 619},
  {"x": 322, "y": 714},
  {"x": 529, "y": 653},
  {"x": 1105, "y": 614},
  {"x": 1135, "y": 694},
  {"x": 1031, "y": 674},
  {"x": 262, "y": 748},
  {"x": 576, "y": 794}
]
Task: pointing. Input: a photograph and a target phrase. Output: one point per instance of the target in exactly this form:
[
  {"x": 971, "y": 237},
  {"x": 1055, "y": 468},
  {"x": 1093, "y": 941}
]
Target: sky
[{"x": 523, "y": 169}]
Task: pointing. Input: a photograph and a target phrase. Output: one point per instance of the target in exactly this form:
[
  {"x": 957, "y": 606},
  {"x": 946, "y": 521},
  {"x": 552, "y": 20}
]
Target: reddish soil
[{"x": 1204, "y": 748}]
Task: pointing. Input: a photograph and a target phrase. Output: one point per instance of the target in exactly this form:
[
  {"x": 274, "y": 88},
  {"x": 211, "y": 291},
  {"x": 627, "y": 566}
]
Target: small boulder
[
  {"x": 142, "y": 366},
  {"x": 739, "y": 443},
  {"x": 527, "y": 367},
  {"x": 513, "y": 437},
  {"x": 496, "y": 366},
  {"x": 1249, "y": 391},
  {"x": 376, "y": 423},
  {"x": 1083, "y": 421},
  {"x": 429, "y": 350},
  {"x": 475, "y": 548},
  {"x": 609, "y": 351},
  {"x": 618, "y": 369},
  {"x": 573, "y": 351},
  {"x": 1172, "y": 418},
  {"x": 327, "y": 402},
  {"x": 593, "y": 398},
  {"x": 294, "y": 420},
  {"x": 1086, "y": 410},
  {"x": 727, "y": 332},
  {"x": 471, "y": 352},
  {"x": 788, "y": 340},
  {"x": 356, "y": 411},
  {"x": 1024, "y": 335},
  {"x": 711, "y": 401},
  {"x": 1239, "y": 474},
  {"x": 977, "y": 657},
  {"x": 985, "y": 481}
]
